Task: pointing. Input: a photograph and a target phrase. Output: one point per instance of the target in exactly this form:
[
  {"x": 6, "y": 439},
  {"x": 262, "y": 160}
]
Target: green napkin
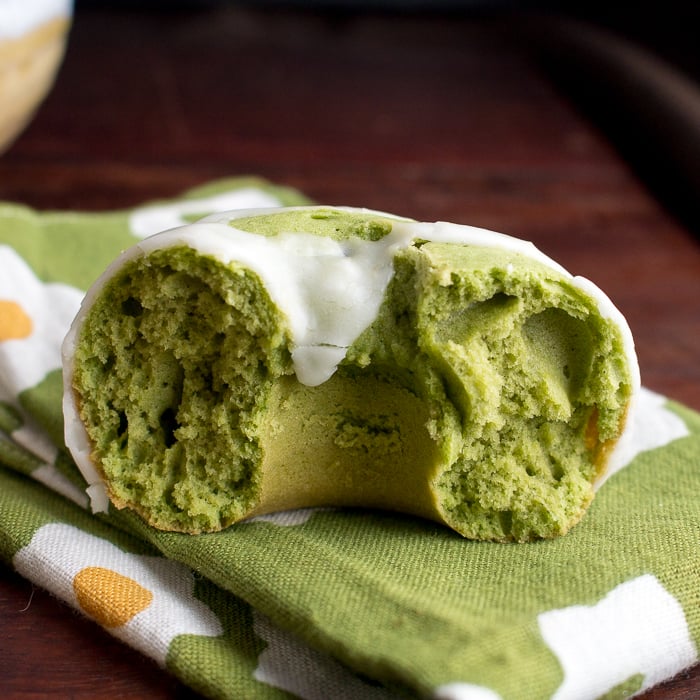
[{"x": 332, "y": 603}]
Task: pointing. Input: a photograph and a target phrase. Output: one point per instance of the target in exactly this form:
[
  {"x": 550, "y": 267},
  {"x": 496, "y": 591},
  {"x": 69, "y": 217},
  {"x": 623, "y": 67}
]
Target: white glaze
[
  {"x": 17, "y": 17},
  {"x": 330, "y": 291}
]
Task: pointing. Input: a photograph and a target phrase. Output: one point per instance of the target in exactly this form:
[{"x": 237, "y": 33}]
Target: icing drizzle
[{"x": 330, "y": 291}]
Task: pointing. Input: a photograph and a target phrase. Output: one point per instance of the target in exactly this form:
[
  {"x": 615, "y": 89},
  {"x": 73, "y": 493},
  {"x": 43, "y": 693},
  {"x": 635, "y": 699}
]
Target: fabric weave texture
[{"x": 332, "y": 603}]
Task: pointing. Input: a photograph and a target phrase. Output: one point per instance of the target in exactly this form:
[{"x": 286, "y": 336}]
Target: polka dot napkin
[{"x": 330, "y": 603}]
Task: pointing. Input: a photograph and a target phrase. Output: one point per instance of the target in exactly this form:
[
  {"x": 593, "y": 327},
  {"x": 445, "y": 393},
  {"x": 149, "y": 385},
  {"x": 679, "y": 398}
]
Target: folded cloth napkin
[{"x": 332, "y": 603}]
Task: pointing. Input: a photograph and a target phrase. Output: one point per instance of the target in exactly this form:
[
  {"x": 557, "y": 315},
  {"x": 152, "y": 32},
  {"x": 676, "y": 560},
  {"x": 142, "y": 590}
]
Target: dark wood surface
[{"x": 431, "y": 117}]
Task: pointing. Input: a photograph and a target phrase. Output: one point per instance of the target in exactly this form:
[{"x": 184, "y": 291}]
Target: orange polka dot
[
  {"x": 14, "y": 322},
  {"x": 108, "y": 597}
]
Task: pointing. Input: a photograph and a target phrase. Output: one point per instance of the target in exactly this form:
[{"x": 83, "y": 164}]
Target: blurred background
[
  {"x": 631, "y": 68},
  {"x": 575, "y": 125}
]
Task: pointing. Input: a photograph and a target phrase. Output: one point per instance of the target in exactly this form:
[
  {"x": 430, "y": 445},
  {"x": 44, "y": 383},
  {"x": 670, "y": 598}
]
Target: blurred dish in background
[{"x": 33, "y": 36}]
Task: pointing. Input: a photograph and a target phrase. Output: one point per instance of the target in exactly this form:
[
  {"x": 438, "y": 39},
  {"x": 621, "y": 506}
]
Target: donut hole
[{"x": 359, "y": 439}]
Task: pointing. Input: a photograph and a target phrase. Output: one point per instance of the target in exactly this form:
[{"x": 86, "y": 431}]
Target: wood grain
[{"x": 432, "y": 117}]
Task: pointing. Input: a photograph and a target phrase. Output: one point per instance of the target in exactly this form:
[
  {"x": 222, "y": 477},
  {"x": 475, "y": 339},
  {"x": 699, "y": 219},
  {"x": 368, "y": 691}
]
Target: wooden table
[{"x": 432, "y": 117}]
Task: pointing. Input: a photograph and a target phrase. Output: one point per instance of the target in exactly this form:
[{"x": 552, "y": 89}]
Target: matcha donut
[{"x": 265, "y": 360}]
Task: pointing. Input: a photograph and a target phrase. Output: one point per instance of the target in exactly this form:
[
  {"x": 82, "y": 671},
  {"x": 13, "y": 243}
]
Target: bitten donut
[{"x": 265, "y": 360}]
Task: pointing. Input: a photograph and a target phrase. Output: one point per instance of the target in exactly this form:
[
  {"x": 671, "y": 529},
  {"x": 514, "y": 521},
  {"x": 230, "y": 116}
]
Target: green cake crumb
[
  {"x": 319, "y": 221},
  {"x": 486, "y": 394},
  {"x": 168, "y": 370}
]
